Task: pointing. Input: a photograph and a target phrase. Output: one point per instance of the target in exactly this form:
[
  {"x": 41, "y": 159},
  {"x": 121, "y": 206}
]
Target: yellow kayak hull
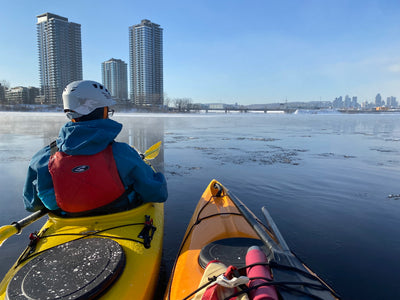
[{"x": 140, "y": 274}]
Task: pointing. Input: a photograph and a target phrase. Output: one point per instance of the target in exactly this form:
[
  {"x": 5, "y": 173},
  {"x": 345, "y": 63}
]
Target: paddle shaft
[
  {"x": 16, "y": 227},
  {"x": 275, "y": 230},
  {"x": 251, "y": 219},
  {"x": 280, "y": 253},
  {"x": 29, "y": 219}
]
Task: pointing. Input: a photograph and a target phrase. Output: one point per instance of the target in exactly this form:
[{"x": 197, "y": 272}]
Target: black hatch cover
[
  {"x": 80, "y": 269},
  {"x": 230, "y": 251}
]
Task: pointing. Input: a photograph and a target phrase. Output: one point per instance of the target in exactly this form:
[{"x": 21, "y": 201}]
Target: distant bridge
[{"x": 246, "y": 110}]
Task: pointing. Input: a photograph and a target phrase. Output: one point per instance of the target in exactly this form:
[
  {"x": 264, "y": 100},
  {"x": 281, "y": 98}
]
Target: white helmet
[{"x": 82, "y": 97}]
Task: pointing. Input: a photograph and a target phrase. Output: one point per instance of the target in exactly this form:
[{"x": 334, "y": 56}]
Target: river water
[{"x": 330, "y": 181}]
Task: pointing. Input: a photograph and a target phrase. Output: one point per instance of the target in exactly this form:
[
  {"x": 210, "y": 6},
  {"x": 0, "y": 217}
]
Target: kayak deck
[
  {"x": 220, "y": 220},
  {"x": 114, "y": 235},
  {"x": 215, "y": 218}
]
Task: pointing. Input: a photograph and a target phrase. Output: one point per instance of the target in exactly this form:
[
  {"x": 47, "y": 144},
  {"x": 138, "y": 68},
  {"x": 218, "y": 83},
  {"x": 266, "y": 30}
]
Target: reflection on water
[
  {"x": 329, "y": 181},
  {"x": 142, "y": 133},
  {"x": 139, "y": 132}
]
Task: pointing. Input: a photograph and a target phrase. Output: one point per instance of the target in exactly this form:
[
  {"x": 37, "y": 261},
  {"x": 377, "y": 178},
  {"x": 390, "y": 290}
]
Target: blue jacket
[{"x": 86, "y": 138}]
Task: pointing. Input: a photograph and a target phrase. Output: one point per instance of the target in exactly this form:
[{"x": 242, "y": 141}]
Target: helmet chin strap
[{"x": 105, "y": 112}]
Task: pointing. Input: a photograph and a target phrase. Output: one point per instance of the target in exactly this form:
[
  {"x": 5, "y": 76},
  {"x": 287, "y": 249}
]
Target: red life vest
[{"x": 85, "y": 182}]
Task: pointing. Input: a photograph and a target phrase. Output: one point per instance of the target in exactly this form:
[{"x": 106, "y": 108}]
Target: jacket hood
[{"x": 87, "y": 138}]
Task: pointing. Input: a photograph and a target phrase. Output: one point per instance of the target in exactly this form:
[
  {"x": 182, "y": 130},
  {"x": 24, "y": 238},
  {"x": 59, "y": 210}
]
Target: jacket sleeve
[
  {"x": 150, "y": 185},
  {"x": 38, "y": 190}
]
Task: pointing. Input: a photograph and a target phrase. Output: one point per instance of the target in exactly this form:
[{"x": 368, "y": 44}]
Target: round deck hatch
[{"x": 80, "y": 269}]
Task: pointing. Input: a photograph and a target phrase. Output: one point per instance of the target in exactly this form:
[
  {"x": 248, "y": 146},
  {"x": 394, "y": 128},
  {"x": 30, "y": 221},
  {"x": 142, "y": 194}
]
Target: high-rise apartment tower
[
  {"x": 60, "y": 55},
  {"x": 146, "y": 64},
  {"x": 115, "y": 78}
]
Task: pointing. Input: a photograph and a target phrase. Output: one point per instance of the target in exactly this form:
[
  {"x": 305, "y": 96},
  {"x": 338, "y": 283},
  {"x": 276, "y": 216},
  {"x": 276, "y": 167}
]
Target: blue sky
[{"x": 250, "y": 51}]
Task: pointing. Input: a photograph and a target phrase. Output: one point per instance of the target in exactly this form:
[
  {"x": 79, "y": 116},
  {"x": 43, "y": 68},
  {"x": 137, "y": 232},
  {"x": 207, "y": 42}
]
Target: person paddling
[{"x": 85, "y": 171}]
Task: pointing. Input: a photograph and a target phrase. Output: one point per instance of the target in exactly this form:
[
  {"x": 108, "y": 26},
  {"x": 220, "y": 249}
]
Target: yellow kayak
[
  {"x": 113, "y": 256},
  {"x": 224, "y": 232}
]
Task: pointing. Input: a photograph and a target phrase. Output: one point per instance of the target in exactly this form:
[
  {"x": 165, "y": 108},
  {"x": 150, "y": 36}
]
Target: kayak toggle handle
[
  {"x": 147, "y": 232},
  {"x": 219, "y": 188},
  {"x": 34, "y": 239}
]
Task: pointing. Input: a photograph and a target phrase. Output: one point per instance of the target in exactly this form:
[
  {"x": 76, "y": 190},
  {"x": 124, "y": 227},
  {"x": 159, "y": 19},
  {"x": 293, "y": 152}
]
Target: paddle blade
[
  {"x": 153, "y": 151},
  {"x": 7, "y": 231}
]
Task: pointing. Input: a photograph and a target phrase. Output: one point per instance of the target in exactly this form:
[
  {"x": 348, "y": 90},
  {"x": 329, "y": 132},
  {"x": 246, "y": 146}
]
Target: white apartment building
[
  {"x": 115, "y": 78},
  {"x": 60, "y": 55},
  {"x": 146, "y": 64}
]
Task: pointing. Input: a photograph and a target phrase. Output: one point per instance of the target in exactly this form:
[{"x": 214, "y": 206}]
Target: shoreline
[{"x": 119, "y": 109}]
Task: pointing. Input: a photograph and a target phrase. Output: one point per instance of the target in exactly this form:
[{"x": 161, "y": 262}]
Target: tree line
[{"x": 181, "y": 104}]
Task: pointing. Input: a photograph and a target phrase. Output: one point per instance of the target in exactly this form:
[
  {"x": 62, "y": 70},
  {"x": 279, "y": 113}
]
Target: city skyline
[{"x": 236, "y": 51}]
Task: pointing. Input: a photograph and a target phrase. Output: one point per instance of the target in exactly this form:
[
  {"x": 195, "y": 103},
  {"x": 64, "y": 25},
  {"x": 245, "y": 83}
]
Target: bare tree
[
  {"x": 183, "y": 104},
  {"x": 5, "y": 83},
  {"x": 167, "y": 100}
]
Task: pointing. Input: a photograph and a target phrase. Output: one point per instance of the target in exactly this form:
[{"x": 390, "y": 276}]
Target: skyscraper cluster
[
  {"x": 352, "y": 102},
  {"x": 346, "y": 103},
  {"x": 390, "y": 101},
  {"x": 60, "y": 62}
]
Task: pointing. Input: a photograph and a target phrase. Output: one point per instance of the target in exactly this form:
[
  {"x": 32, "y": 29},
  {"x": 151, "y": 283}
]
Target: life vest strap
[{"x": 53, "y": 148}]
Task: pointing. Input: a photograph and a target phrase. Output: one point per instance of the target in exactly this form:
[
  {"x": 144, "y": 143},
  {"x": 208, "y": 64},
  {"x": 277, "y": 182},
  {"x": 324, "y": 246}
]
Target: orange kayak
[{"x": 221, "y": 231}]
